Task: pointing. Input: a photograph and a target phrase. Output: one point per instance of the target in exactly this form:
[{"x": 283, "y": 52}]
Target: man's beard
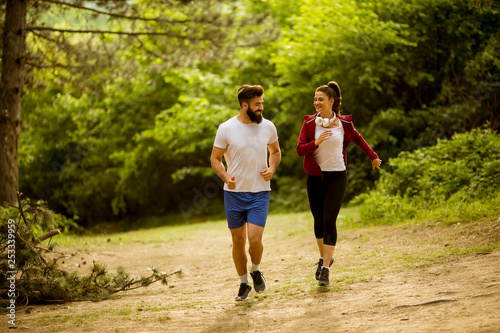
[{"x": 253, "y": 117}]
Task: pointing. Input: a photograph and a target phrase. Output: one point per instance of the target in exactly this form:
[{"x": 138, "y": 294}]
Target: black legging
[{"x": 325, "y": 199}]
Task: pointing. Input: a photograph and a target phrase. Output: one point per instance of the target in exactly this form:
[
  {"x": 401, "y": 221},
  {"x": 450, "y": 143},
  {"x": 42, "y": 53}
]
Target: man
[{"x": 244, "y": 140}]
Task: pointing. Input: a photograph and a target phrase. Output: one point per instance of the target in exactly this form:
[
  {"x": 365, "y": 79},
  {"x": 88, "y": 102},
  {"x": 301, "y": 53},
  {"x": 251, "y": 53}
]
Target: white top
[
  {"x": 246, "y": 152},
  {"x": 329, "y": 154}
]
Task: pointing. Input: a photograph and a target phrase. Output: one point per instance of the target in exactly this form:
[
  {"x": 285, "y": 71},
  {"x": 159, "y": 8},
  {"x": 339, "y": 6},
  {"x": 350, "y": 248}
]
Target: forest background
[{"x": 122, "y": 99}]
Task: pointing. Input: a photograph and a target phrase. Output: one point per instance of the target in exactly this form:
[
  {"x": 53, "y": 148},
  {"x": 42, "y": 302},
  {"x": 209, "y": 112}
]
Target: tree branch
[
  {"x": 47, "y": 235},
  {"x": 42, "y": 66},
  {"x": 128, "y": 17},
  {"x": 105, "y": 13},
  {"x": 21, "y": 209},
  {"x": 91, "y": 31}
]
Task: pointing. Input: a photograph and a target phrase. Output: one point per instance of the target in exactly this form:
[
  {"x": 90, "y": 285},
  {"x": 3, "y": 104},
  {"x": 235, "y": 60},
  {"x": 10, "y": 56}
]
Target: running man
[{"x": 244, "y": 141}]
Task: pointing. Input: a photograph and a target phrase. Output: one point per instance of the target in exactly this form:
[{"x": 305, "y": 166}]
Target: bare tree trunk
[{"x": 11, "y": 91}]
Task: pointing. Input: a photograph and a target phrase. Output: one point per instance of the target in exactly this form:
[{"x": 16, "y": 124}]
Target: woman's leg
[
  {"x": 316, "y": 196},
  {"x": 334, "y": 196}
]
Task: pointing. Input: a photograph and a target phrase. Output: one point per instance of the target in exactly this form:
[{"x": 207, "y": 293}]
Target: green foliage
[
  {"x": 170, "y": 162},
  {"x": 291, "y": 197},
  {"x": 123, "y": 126},
  {"x": 67, "y": 152},
  {"x": 456, "y": 179},
  {"x": 411, "y": 72}
]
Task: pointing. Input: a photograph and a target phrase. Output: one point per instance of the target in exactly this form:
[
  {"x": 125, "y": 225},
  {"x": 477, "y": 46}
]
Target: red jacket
[{"x": 306, "y": 146}]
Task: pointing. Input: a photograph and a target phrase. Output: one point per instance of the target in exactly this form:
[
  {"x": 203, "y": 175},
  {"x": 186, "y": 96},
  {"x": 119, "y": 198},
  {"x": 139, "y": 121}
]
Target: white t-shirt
[
  {"x": 329, "y": 154},
  {"x": 246, "y": 152}
]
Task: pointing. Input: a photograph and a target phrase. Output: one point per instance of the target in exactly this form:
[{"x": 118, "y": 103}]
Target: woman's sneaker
[
  {"x": 259, "y": 282},
  {"x": 243, "y": 292},
  {"x": 323, "y": 277},
  {"x": 320, "y": 264}
]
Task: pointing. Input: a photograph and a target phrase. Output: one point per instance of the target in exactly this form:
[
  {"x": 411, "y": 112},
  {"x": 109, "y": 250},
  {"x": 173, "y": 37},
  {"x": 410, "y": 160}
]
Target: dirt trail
[{"x": 453, "y": 294}]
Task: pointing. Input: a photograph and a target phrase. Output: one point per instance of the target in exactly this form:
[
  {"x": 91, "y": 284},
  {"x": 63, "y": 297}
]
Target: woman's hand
[
  {"x": 323, "y": 137},
  {"x": 376, "y": 163}
]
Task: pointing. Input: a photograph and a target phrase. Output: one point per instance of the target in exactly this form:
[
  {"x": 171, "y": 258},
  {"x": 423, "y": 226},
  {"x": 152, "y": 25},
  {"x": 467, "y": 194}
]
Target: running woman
[
  {"x": 244, "y": 141},
  {"x": 323, "y": 142}
]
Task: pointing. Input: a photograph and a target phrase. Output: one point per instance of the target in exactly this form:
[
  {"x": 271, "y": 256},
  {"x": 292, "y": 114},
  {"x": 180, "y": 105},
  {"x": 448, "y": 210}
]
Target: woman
[{"x": 323, "y": 141}]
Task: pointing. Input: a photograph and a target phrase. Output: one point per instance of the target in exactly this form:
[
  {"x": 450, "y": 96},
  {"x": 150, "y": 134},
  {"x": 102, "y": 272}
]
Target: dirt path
[{"x": 404, "y": 279}]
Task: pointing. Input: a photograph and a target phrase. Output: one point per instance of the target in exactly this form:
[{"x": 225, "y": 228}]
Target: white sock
[
  {"x": 244, "y": 278},
  {"x": 255, "y": 267},
  {"x": 328, "y": 268}
]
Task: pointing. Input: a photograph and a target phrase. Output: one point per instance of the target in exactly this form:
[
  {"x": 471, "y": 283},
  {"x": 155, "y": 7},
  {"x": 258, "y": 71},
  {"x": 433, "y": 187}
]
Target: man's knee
[
  {"x": 239, "y": 241},
  {"x": 255, "y": 241}
]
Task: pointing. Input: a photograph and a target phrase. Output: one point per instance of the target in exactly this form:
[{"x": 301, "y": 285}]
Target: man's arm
[
  {"x": 219, "y": 168},
  {"x": 274, "y": 160}
]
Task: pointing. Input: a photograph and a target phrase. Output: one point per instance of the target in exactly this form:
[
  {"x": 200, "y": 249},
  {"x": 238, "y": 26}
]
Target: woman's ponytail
[{"x": 337, "y": 97}]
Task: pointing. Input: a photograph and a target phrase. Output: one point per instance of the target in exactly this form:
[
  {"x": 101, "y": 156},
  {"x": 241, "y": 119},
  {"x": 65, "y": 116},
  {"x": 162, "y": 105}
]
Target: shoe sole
[
  {"x": 323, "y": 284},
  {"x": 238, "y": 299},
  {"x": 259, "y": 291}
]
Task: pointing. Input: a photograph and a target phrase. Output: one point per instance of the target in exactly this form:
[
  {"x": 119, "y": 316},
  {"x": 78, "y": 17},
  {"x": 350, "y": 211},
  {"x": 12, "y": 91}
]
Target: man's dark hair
[{"x": 247, "y": 92}]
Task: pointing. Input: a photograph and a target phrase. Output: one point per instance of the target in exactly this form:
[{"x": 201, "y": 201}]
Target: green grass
[
  {"x": 92, "y": 240},
  {"x": 78, "y": 320}
]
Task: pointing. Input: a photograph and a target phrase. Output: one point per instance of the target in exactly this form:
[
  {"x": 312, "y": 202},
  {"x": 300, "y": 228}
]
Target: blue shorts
[{"x": 248, "y": 207}]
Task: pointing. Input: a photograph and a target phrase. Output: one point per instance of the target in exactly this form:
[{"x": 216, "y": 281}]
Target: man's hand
[
  {"x": 267, "y": 173},
  {"x": 231, "y": 184}
]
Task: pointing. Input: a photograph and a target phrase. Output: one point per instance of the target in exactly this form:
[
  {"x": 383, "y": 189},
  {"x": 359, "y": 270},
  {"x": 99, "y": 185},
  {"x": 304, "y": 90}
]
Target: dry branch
[
  {"x": 426, "y": 303},
  {"x": 483, "y": 295},
  {"x": 47, "y": 235}
]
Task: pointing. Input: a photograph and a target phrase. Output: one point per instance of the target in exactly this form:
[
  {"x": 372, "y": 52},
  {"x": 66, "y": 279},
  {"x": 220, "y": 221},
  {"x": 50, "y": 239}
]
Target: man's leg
[
  {"x": 257, "y": 217},
  {"x": 239, "y": 236},
  {"x": 256, "y": 248}
]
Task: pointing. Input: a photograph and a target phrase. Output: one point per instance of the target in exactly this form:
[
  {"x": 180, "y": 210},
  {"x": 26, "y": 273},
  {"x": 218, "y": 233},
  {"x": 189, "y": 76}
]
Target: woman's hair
[
  {"x": 247, "y": 92},
  {"x": 332, "y": 90}
]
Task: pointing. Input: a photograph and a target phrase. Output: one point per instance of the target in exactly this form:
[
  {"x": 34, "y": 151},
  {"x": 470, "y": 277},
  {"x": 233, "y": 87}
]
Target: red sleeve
[{"x": 305, "y": 146}]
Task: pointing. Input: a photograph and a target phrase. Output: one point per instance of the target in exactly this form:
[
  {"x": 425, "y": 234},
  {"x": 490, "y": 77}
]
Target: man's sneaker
[
  {"x": 243, "y": 292},
  {"x": 323, "y": 277},
  {"x": 259, "y": 282},
  {"x": 320, "y": 264}
]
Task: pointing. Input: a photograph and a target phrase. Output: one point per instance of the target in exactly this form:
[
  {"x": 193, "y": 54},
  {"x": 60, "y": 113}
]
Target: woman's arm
[{"x": 305, "y": 146}]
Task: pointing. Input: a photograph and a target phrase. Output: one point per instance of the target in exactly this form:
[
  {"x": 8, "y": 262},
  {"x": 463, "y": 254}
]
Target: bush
[{"x": 458, "y": 179}]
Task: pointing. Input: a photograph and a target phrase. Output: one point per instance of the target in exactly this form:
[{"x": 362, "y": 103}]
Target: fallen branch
[
  {"x": 482, "y": 295},
  {"x": 358, "y": 311},
  {"x": 448, "y": 292},
  {"x": 47, "y": 235},
  {"x": 426, "y": 303}
]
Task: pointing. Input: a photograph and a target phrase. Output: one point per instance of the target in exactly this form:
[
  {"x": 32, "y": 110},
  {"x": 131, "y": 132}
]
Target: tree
[
  {"x": 11, "y": 91},
  {"x": 197, "y": 30}
]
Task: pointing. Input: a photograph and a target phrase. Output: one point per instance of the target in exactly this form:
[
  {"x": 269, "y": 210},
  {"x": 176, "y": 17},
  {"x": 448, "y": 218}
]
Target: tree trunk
[{"x": 11, "y": 91}]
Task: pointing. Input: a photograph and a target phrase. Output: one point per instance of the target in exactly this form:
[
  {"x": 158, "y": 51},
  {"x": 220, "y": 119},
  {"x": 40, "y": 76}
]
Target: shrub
[{"x": 450, "y": 181}]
